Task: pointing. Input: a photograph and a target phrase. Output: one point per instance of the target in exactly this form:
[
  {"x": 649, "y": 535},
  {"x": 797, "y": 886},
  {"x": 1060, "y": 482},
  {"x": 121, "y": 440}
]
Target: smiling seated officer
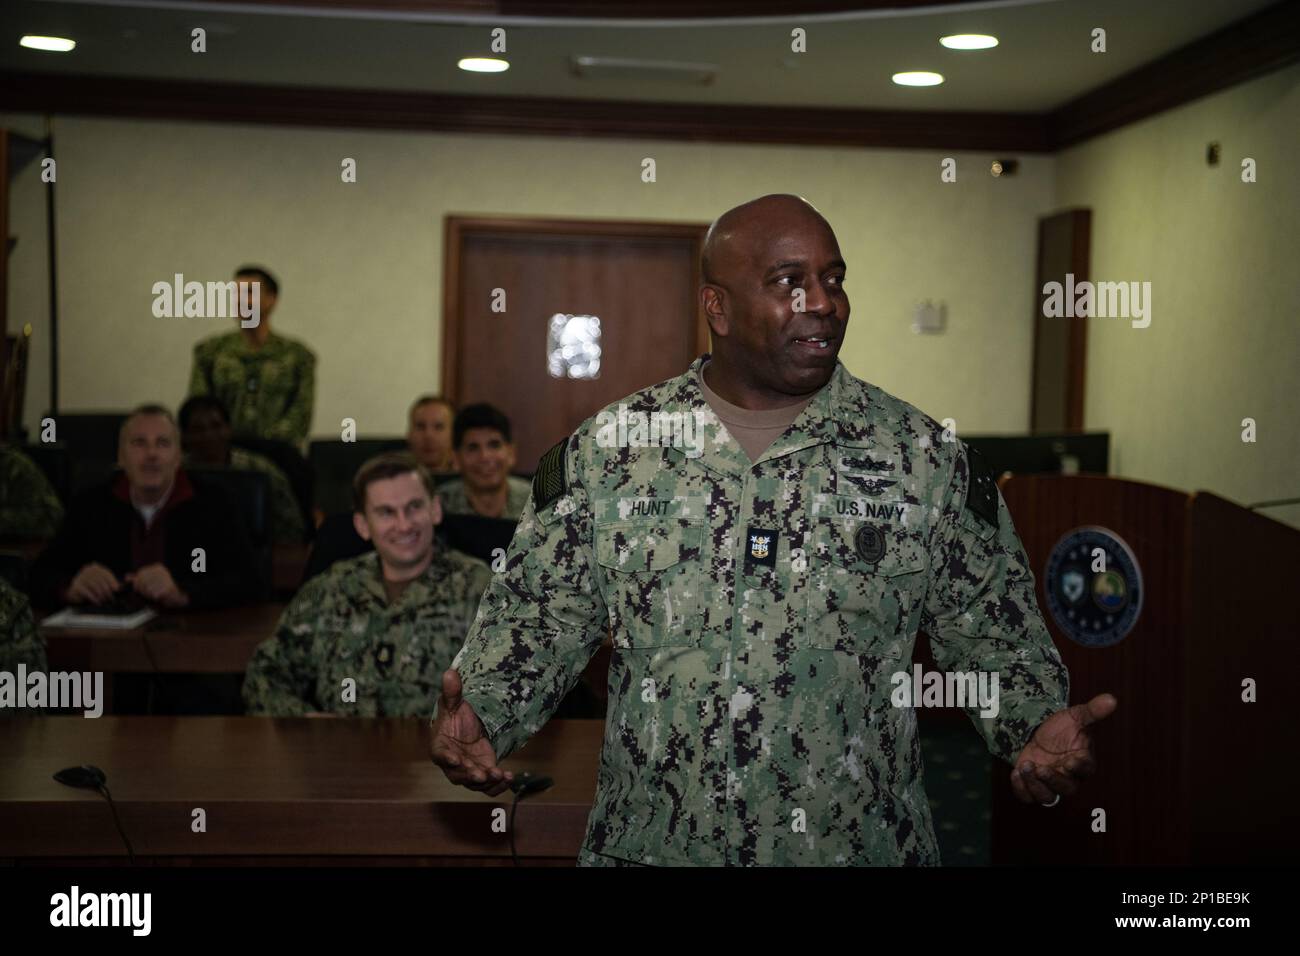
[
  {"x": 371, "y": 636},
  {"x": 484, "y": 456}
]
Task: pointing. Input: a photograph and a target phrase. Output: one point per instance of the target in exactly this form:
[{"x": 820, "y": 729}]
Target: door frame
[
  {"x": 1078, "y": 221},
  {"x": 456, "y": 228}
]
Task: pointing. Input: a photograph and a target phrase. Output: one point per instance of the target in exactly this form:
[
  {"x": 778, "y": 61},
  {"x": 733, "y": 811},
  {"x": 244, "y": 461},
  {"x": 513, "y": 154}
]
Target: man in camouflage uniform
[
  {"x": 389, "y": 621},
  {"x": 762, "y": 593},
  {"x": 20, "y": 642},
  {"x": 267, "y": 381},
  {"x": 29, "y": 508},
  {"x": 484, "y": 453},
  {"x": 206, "y": 436},
  {"x": 429, "y": 432}
]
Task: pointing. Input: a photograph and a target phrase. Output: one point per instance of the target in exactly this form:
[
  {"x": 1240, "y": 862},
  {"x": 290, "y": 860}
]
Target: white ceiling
[{"x": 1043, "y": 60}]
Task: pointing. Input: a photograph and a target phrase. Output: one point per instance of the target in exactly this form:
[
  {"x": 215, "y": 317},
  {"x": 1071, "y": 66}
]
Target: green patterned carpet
[{"x": 957, "y": 770}]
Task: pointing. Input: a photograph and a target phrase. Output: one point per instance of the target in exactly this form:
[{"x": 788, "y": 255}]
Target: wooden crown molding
[
  {"x": 1266, "y": 41},
  {"x": 371, "y": 109},
  {"x": 609, "y": 9}
]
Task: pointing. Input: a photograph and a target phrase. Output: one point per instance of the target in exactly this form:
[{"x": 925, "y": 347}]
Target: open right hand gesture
[{"x": 460, "y": 746}]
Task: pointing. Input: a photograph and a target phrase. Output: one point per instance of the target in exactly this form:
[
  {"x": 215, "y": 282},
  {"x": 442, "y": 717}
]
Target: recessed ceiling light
[
  {"x": 918, "y": 78},
  {"x": 969, "y": 41},
  {"x": 483, "y": 64},
  {"x": 52, "y": 44}
]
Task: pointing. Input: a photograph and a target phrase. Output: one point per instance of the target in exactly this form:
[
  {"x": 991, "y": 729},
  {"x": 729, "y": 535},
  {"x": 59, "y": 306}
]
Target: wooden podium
[{"x": 1187, "y": 773}]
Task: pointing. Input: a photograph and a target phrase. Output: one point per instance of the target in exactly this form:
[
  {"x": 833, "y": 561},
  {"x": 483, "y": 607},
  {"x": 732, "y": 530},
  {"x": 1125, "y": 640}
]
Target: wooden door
[
  {"x": 1060, "y": 344},
  {"x": 641, "y": 280}
]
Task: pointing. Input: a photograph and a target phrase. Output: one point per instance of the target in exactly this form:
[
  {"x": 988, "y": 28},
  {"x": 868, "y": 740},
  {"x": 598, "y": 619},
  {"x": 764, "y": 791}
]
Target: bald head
[
  {"x": 733, "y": 235},
  {"x": 774, "y": 298}
]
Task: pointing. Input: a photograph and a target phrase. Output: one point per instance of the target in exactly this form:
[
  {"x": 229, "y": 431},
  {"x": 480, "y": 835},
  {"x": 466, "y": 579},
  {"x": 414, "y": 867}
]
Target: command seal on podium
[{"x": 1094, "y": 587}]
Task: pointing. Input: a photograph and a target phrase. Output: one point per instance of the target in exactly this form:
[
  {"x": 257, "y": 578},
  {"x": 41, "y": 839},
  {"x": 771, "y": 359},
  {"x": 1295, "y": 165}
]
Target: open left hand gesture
[{"x": 1059, "y": 754}]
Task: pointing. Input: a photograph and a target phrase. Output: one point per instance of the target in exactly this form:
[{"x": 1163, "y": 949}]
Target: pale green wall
[
  {"x": 360, "y": 265},
  {"x": 1221, "y": 255}
]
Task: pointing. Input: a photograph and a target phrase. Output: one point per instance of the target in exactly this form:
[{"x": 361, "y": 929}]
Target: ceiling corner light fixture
[
  {"x": 918, "y": 78},
  {"x": 969, "y": 41},
  {"x": 50, "y": 44},
  {"x": 623, "y": 68},
  {"x": 483, "y": 64}
]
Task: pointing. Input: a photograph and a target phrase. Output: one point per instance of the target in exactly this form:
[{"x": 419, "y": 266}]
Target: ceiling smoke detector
[{"x": 620, "y": 68}]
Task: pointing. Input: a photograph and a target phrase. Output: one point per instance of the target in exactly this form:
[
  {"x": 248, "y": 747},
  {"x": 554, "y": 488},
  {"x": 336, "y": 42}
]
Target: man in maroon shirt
[{"x": 149, "y": 532}]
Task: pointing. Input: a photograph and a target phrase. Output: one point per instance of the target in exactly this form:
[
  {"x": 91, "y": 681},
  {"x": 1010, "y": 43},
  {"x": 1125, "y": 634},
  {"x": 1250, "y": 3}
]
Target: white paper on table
[{"x": 69, "y": 617}]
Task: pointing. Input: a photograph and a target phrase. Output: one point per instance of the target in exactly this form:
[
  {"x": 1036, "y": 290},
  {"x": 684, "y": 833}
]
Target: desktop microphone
[{"x": 89, "y": 777}]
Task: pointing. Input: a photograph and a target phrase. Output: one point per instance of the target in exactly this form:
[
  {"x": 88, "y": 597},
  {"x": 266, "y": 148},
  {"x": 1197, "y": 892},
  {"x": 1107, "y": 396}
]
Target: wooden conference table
[
  {"x": 193, "y": 642},
  {"x": 190, "y": 642},
  {"x": 185, "y": 642},
  {"x": 303, "y": 790}
]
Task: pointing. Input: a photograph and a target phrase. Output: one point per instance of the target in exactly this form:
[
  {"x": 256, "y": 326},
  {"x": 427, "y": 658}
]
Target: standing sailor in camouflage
[
  {"x": 29, "y": 508},
  {"x": 372, "y": 636},
  {"x": 206, "y": 437},
  {"x": 267, "y": 381},
  {"x": 765, "y": 551}
]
